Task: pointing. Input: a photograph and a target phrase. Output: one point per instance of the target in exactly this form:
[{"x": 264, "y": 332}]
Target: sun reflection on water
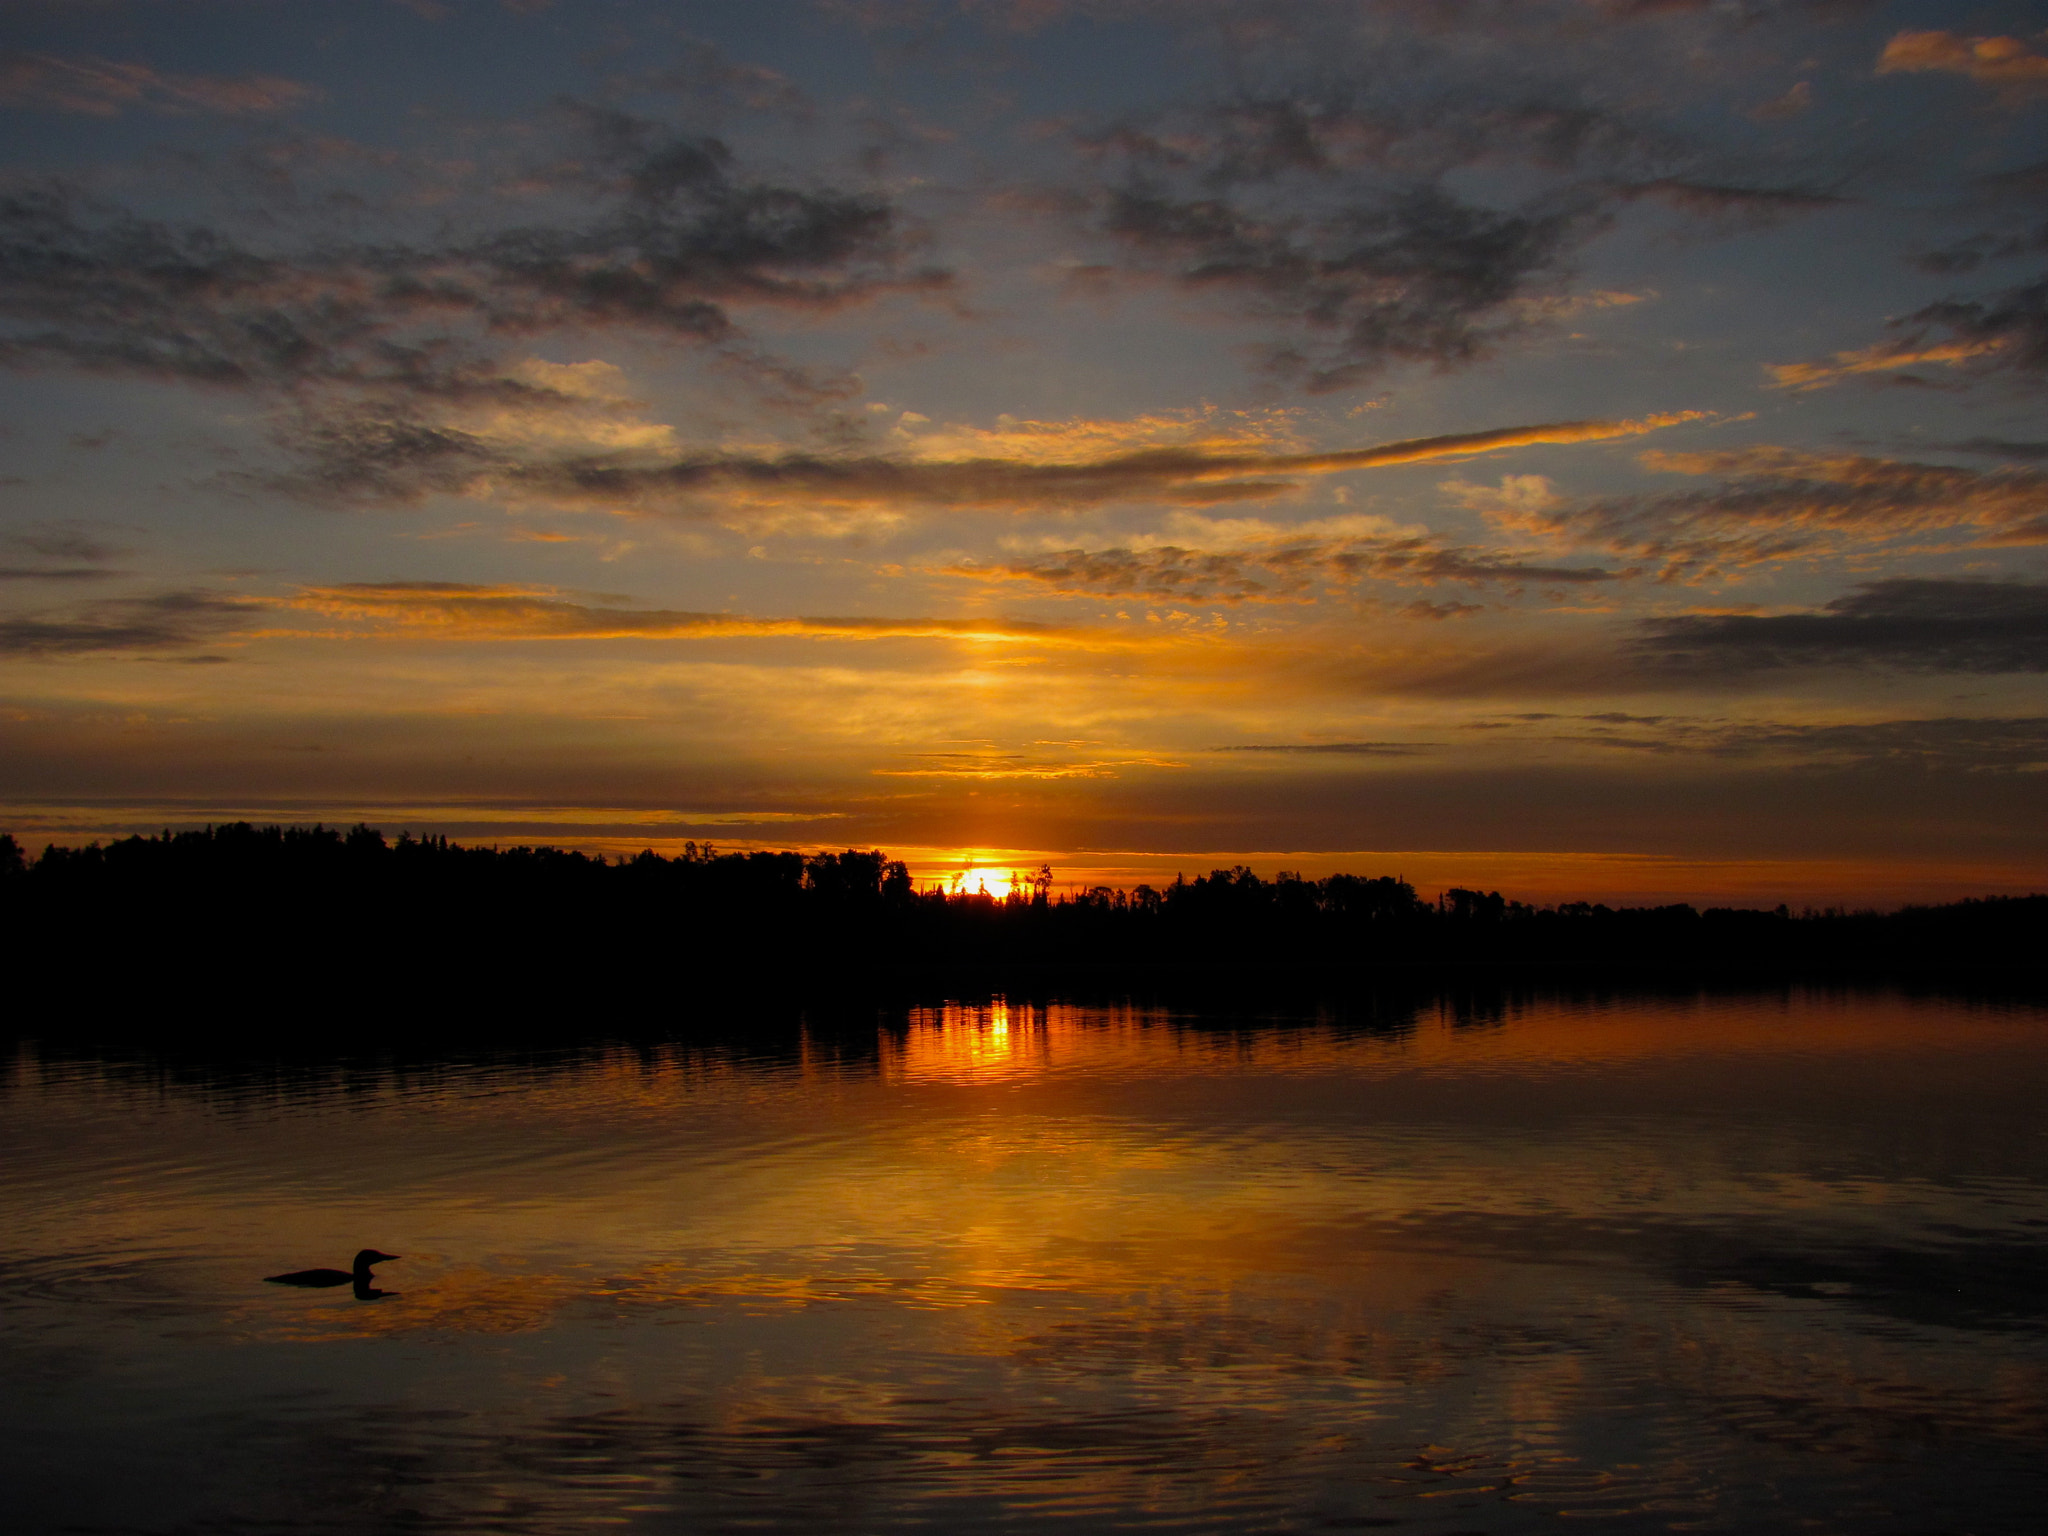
[
  {"x": 970, "y": 1042},
  {"x": 1651, "y": 1260}
]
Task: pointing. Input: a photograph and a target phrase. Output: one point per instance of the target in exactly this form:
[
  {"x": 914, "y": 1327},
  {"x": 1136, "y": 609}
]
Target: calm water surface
[{"x": 1732, "y": 1264}]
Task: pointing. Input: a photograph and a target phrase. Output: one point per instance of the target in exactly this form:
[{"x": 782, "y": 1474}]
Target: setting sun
[{"x": 976, "y": 880}]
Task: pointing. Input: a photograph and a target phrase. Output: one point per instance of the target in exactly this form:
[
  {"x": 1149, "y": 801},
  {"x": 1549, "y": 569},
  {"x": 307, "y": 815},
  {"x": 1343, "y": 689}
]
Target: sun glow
[{"x": 984, "y": 879}]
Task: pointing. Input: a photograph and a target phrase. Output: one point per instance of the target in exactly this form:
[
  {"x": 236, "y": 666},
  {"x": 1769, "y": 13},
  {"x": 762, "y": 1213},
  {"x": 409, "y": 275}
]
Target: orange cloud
[
  {"x": 1882, "y": 358},
  {"x": 461, "y": 611},
  {"x": 2008, "y": 62}
]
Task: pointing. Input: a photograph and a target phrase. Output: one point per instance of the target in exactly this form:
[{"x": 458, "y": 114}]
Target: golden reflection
[
  {"x": 470, "y": 1300},
  {"x": 965, "y": 1042}
]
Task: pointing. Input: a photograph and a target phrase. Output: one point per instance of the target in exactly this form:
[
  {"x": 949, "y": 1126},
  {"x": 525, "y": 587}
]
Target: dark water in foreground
[{"x": 1766, "y": 1264}]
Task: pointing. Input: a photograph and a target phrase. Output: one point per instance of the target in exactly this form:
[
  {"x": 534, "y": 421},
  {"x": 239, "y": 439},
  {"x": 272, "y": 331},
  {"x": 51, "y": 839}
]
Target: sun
[{"x": 979, "y": 878}]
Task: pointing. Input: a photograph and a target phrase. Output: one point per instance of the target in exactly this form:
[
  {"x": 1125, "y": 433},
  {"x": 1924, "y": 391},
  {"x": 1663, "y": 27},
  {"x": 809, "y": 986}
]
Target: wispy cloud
[
  {"x": 1334, "y": 197},
  {"x": 1418, "y": 276},
  {"x": 382, "y": 459},
  {"x": 165, "y": 621},
  {"x": 463, "y": 611},
  {"x": 56, "y": 554},
  {"x": 2003, "y": 331},
  {"x": 1038, "y": 764},
  {"x": 1277, "y": 564},
  {"x": 673, "y": 241},
  {"x": 1746, "y": 205},
  {"x": 1334, "y": 748},
  {"x": 1779, "y": 504},
  {"x": 1889, "y": 357},
  {"x": 1970, "y": 743},
  {"x": 106, "y": 88}
]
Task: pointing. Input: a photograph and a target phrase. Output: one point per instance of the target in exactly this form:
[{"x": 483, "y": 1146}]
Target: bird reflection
[{"x": 357, "y": 1276}]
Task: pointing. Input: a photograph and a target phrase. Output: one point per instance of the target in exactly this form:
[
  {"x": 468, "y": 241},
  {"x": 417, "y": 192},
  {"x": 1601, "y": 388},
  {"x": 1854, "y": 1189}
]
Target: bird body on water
[{"x": 358, "y": 1274}]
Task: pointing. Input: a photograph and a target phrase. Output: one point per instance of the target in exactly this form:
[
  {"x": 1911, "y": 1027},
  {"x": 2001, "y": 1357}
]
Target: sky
[{"x": 1587, "y": 448}]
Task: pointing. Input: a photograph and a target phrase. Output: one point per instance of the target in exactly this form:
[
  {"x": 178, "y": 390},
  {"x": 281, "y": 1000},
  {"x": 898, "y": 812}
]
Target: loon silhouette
[{"x": 358, "y": 1276}]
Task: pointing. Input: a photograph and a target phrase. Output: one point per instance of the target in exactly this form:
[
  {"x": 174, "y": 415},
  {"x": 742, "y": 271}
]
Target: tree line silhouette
[{"x": 242, "y": 899}]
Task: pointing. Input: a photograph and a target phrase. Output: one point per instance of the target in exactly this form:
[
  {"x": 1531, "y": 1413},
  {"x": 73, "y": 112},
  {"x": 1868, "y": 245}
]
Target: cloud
[
  {"x": 1977, "y": 744},
  {"x": 1746, "y": 205},
  {"x": 1335, "y": 748},
  {"x": 1780, "y": 504},
  {"x": 1437, "y": 612},
  {"x": 164, "y": 621},
  {"x": 1741, "y": 12},
  {"x": 105, "y": 88},
  {"x": 1091, "y": 437},
  {"x": 2007, "y": 330},
  {"x": 2010, "y": 63},
  {"x": 88, "y": 556},
  {"x": 1285, "y": 565},
  {"x": 2001, "y": 332},
  {"x": 1418, "y": 125},
  {"x": 54, "y": 573},
  {"x": 1913, "y": 624},
  {"x": 1043, "y": 764},
  {"x": 1970, "y": 254},
  {"x": 397, "y": 460},
  {"x": 1338, "y": 196},
  {"x": 2000, "y": 448},
  {"x": 2008, "y": 743},
  {"x": 674, "y": 240},
  {"x": 1416, "y": 276},
  {"x": 461, "y": 611},
  {"x": 1883, "y": 357},
  {"x": 377, "y": 458}
]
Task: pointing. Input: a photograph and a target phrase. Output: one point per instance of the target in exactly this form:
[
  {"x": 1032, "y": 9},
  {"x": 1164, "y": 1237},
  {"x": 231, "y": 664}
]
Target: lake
[{"x": 1771, "y": 1261}]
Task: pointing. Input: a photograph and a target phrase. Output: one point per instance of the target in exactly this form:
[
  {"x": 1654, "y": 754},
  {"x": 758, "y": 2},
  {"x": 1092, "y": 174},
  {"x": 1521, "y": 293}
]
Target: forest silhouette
[{"x": 243, "y": 903}]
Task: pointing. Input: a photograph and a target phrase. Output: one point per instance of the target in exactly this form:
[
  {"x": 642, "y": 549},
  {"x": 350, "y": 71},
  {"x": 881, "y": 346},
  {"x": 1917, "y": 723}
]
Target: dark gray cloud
[
  {"x": 1749, "y": 206},
  {"x": 1437, "y": 612},
  {"x": 2005, "y": 330},
  {"x": 84, "y": 557},
  {"x": 2000, "y": 448},
  {"x": 1416, "y": 276},
  {"x": 2009, "y": 329},
  {"x": 160, "y": 622},
  {"x": 371, "y": 457},
  {"x": 1917, "y": 624},
  {"x": 1968, "y": 255},
  {"x": 672, "y": 240},
  {"x": 1323, "y": 200}
]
